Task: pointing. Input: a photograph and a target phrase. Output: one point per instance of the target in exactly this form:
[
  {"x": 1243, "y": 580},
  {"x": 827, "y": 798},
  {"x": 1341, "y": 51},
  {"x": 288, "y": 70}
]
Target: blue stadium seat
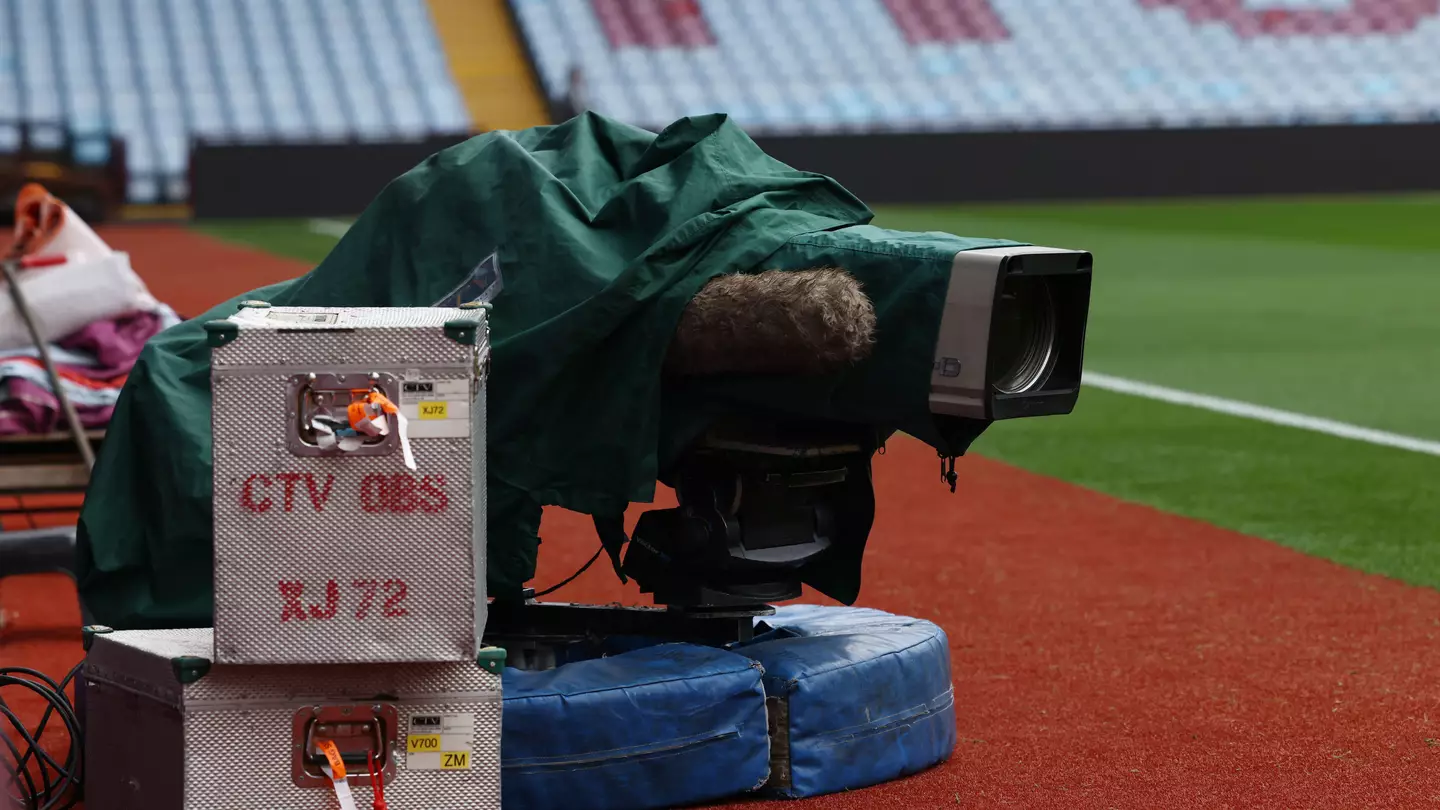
[
  {"x": 144, "y": 188},
  {"x": 92, "y": 150},
  {"x": 160, "y": 73},
  {"x": 978, "y": 64},
  {"x": 9, "y": 138}
]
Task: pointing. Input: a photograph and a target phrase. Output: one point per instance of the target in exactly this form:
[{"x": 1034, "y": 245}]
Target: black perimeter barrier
[{"x": 259, "y": 180}]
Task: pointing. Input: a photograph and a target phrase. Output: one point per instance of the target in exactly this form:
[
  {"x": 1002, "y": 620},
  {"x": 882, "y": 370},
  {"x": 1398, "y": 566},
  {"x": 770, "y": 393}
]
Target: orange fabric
[
  {"x": 382, "y": 402},
  {"x": 38, "y": 218},
  {"x": 357, "y": 414},
  {"x": 72, "y": 377}
]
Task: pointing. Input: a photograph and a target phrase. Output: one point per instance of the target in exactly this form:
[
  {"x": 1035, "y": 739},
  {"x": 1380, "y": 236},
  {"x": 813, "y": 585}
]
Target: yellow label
[
  {"x": 434, "y": 410},
  {"x": 455, "y": 760},
  {"x": 422, "y": 742}
]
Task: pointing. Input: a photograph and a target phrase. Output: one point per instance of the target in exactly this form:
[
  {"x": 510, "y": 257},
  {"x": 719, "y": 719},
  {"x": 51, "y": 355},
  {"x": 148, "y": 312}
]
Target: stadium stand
[
  {"x": 811, "y": 66},
  {"x": 160, "y": 73}
]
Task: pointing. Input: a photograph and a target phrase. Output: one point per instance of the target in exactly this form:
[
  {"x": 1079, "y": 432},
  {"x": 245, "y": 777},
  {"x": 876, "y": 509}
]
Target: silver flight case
[
  {"x": 335, "y": 544},
  {"x": 169, "y": 730}
]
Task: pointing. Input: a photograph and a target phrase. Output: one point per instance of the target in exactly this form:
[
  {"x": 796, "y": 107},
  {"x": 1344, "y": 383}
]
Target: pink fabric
[
  {"x": 115, "y": 343},
  {"x": 28, "y": 404},
  {"x": 31, "y": 409}
]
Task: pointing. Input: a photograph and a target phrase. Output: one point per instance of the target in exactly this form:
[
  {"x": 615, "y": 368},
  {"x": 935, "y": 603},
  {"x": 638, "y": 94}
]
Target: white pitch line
[
  {"x": 329, "y": 227},
  {"x": 1261, "y": 413}
]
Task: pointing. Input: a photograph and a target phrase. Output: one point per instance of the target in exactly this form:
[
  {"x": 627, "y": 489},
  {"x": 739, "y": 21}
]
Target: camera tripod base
[{"x": 543, "y": 635}]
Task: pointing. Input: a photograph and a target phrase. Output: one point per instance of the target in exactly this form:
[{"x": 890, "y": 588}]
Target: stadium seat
[
  {"x": 160, "y": 73},
  {"x": 163, "y": 72},
  {"x": 874, "y": 65}
]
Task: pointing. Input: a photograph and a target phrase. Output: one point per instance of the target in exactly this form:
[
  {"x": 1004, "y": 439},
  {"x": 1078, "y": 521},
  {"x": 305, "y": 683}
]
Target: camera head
[{"x": 767, "y": 505}]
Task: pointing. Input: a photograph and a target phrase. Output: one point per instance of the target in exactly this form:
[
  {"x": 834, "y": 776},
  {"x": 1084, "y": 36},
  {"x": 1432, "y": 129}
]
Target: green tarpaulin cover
[{"x": 602, "y": 232}]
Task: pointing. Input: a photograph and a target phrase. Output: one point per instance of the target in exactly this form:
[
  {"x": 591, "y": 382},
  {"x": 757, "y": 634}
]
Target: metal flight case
[
  {"x": 169, "y": 729},
  {"x": 349, "y": 484}
]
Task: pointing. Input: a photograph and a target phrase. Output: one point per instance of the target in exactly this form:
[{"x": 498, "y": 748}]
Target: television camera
[{"x": 765, "y": 504}]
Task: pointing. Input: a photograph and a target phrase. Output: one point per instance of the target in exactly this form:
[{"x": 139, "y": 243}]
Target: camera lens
[{"x": 1022, "y": 335}]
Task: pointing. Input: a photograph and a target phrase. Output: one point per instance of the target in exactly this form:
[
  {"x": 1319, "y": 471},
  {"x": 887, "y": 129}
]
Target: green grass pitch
[{"x": 1327, "y": 307}]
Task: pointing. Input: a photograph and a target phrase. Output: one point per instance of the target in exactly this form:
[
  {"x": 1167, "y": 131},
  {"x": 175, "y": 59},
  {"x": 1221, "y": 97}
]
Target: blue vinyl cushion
[
  {"x": 658, "y": 727},
  {"x": 870, "y": 695}
]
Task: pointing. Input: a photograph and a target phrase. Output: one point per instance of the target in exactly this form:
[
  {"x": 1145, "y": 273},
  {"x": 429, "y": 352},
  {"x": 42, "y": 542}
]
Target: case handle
[
  {"x": 332, "y": 414},
  {"x": 358, "y": 733}
]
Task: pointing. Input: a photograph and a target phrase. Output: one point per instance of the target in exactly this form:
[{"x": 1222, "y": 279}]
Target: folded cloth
[
  {"x": 30, "y": 408},
  {"x": 58, "y": 355},
  {"x": 93, "y": 364},
  {"x": 115, "y": 343}
]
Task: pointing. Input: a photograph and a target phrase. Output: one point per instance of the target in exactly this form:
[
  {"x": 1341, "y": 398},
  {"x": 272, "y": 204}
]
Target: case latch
[
  {"x": 358, "y": 731},
  {"x": 319, "y": 414}
]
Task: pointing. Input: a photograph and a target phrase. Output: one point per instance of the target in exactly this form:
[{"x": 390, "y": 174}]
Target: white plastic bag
[{"x": 64, "y": 298}]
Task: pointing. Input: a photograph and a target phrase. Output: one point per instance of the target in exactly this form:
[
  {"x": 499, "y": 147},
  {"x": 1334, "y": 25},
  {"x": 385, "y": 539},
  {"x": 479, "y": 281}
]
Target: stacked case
[{"x": 349, "y": 537}]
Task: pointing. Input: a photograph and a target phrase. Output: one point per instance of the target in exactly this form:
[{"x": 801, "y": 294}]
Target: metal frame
[
  {"x": 307, "y": 392},
  {"x": 383, "y": 721},
  {"x": 46, "y": 549},
  {"x": 48, "y": 464},
  {"x": 72, "y": 420},
  {"x": 536, "y": 635}
]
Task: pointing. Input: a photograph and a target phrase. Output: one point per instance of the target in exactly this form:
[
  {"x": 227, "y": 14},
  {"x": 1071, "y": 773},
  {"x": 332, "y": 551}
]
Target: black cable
[
  {"x": 51, "y": 791},
  {"x": 16, "y": 774},
  {"x": 572, "y": 577},
  {"x": 53, "y": 787},
  {"x": 59, "y": 785}
]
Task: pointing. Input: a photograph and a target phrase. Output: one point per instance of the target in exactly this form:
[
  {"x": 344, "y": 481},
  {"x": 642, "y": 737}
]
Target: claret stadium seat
[
  {"x": 887, "y": 65},
  {"x": 161, "y": 73}
]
